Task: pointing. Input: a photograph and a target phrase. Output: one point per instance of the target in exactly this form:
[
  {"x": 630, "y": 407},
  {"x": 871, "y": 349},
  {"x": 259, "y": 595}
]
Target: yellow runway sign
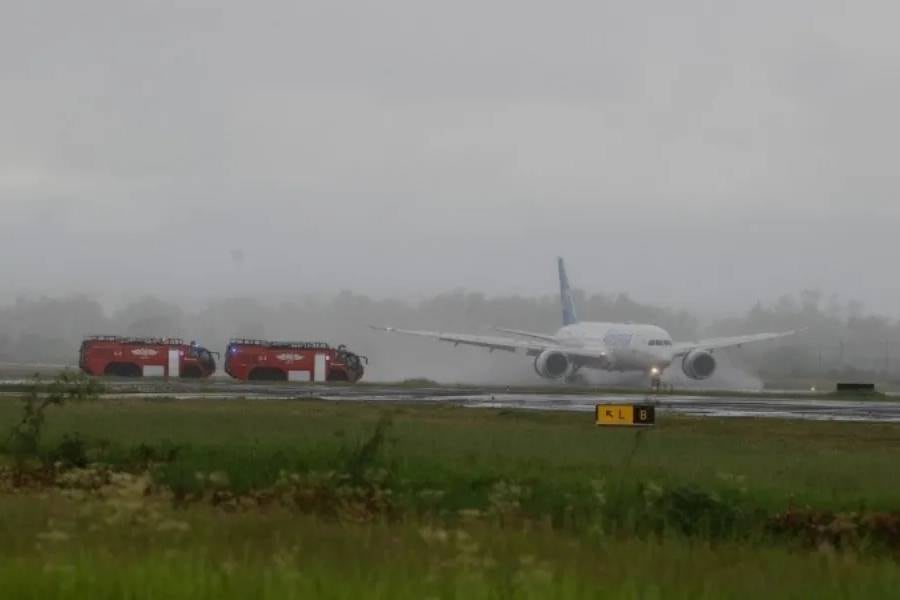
[{"x": 625, "y": 414}]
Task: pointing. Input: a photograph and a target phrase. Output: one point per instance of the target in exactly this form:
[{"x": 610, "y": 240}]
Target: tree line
[{"x": 839, "y": 337}]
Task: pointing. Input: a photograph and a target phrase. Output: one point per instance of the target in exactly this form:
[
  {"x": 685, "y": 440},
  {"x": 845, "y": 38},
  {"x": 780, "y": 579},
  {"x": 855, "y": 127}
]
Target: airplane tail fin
[{"x": 570, "y": 317}]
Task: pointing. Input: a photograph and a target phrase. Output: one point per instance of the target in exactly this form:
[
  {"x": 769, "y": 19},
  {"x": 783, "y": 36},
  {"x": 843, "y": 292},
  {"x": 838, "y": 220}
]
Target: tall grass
[
  {"x": 60, "y": 549},
  {"x": 231, "y": 499}
]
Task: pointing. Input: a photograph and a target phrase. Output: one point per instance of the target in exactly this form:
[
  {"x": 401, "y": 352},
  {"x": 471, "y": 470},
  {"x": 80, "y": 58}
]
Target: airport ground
[
  {"x": 787, "y": 404},
  {"x": 151, "y": 496}
]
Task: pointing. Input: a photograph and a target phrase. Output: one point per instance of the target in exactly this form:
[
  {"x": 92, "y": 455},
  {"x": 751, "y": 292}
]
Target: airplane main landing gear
[{"x": 576, "y": 378}]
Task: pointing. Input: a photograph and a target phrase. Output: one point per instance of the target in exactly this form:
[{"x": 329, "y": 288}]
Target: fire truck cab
[
  {"x": 145, "y": 357},
  {"x": 261, "y": 360}
]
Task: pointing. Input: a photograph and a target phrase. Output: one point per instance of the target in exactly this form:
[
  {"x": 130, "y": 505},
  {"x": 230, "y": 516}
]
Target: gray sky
[{"x": 702, "y": 154}]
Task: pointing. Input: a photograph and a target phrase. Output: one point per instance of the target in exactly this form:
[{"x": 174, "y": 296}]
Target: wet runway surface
[
  {"x": 793, "y": 405},
  {"x": 708, "y": 406}
]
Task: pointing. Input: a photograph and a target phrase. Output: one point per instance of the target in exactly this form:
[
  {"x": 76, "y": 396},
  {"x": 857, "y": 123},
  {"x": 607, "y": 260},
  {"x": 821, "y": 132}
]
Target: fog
[{"x": 700, "y": 156}]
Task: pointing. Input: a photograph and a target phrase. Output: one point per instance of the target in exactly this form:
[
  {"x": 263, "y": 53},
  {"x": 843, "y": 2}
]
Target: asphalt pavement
[{"x": 783, "y": 405}]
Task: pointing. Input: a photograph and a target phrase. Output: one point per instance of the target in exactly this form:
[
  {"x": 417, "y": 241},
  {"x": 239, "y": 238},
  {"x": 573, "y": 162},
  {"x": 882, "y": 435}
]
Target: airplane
[{"x": 604, "y": 346}]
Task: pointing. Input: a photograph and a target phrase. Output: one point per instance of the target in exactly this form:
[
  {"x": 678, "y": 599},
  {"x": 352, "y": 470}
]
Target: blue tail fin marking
[{"x": 570, "y": 317}]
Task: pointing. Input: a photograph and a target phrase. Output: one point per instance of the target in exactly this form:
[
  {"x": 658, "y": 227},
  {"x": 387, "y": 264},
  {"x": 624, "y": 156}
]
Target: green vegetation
[
  {"x": 308, "y": 498},
  {"x": 25, "y": 436},
  {"x": 61, "y": 550},
  {"x": 65, "y": 548},
  {"x": 827, "y": 465}
]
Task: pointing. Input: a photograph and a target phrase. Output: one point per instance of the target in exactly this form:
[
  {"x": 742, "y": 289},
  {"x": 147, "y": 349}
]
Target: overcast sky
[{"x": 698, "y": 154}]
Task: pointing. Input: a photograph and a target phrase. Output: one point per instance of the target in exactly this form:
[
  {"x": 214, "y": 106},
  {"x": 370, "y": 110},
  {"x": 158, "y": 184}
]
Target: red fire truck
[
  {"x": 261, "y": 360},
  {"x": 144, "y": 356}
]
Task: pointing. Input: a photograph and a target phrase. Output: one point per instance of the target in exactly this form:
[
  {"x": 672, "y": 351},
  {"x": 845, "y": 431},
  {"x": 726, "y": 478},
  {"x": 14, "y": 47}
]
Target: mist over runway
[{"x": 789, "y": 404}]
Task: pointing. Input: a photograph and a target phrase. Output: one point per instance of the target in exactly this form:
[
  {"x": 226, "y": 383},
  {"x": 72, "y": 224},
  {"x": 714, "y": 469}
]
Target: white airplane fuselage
[{"x": 628, "y": 346}]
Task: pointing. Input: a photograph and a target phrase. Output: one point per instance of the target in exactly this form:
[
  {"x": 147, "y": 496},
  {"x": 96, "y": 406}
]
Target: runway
[
  {"x": 707, "y": 406},
  {"x": 781, "y": 405}
]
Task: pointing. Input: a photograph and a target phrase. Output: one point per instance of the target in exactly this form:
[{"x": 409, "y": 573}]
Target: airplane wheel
[{"x": 576, "y": 379}]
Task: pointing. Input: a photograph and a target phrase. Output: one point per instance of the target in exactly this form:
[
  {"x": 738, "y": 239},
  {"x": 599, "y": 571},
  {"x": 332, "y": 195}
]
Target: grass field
[{"x": 313, "y": 499}]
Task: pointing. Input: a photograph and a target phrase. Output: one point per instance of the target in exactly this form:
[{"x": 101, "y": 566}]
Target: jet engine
[
  {"x": 552, "y": 364},
  {"x": 699, "y": 364}
]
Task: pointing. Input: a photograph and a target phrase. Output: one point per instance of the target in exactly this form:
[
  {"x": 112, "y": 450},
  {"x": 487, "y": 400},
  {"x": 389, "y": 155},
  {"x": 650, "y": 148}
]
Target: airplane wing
[
  {"x": 537, "y": 336},
  {"x": 507, "y": 344},
  {"x": 682, "y": 348}
]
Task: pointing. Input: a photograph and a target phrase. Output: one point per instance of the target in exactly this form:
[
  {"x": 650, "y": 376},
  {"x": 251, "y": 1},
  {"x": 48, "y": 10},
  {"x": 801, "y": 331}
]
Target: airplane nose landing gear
[{"x": 655, "y": 379}]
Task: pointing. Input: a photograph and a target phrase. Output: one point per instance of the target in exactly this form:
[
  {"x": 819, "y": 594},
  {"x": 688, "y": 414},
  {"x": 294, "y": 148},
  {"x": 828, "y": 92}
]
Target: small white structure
[
  {"x": 154, "y": 371},
  {"x": 299, "y": 376},
  {"x": 320, "y": 369},
  {"x": 174, "y": 363}
]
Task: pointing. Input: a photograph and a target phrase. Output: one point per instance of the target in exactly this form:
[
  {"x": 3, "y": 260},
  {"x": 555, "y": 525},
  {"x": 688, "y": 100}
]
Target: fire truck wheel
[
  {"x": 191, "y": 373},
  {"x": 267, "y": 374},
  {"x": 122, "y": 370}
]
